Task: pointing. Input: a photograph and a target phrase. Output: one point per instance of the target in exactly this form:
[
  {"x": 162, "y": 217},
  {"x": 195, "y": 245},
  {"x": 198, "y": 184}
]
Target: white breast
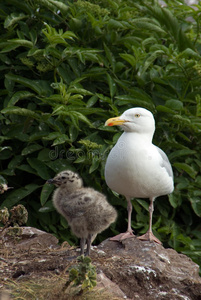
[{"x": 134, "y": 168}]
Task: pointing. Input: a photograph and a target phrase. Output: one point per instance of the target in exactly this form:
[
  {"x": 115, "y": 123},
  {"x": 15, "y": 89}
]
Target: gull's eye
[{"x": 137, "y": 115}]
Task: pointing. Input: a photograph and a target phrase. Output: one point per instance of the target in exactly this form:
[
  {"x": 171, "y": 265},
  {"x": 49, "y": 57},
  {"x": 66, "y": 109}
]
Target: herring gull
[
  {"x": 86, "y": 210},
  {"x": 135, "y": 167}
]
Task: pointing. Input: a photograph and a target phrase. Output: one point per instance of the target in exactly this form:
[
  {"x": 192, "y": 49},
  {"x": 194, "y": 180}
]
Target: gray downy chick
[{"x": 86, "y": 210}]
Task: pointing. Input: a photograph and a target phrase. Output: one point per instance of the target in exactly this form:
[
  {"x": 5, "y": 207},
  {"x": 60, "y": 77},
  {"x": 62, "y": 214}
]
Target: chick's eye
[{"x": 137, "y": 115}]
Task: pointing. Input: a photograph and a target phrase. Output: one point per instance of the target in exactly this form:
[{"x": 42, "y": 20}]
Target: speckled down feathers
[{"x": 86, "y": 210}]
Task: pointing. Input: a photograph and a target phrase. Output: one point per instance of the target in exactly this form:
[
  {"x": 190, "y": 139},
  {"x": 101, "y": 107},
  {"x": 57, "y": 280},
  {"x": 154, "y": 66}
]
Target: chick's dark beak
[{"x": 50, "y": 181}]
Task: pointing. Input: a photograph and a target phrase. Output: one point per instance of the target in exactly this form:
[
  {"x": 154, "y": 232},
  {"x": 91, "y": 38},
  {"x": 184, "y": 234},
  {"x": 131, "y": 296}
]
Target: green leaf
[
  {"x": 41, "y": 87},
  {"x": 143, "y": 203},
  {"x": 114, "y": 24},
  {"x": 183, "y": 120},
  {"x": 86, "y": 284},
  {"x": 80, "y": 159},
  {"x": 173, "y": 199},
  {"x": 16, "y": 196},
  {"x": 13, "y": 18},
  {"x": 2, "y": 180},
  {"x": 60, "y": 164},
  {"x": 81, "y": 117},
  {"x": 73, "y": 273},
  {"x": 45, "y": 193},
  {"x": 189, "y": 53},
  {"x": 21, "y": 111},
  {"x": 21, "y": 42},
  {"x": 196, "y": 205},
  {"x": 40, "y": 167},
  {"x": 109, "y": 56},
  {"x": 150, "y": 59},
  {"x": 57, "y": 37},
  {"x": 129, "y": 58},
  {"x": 112, "y": 85},
  {"x": 92, "y": 101},
  {"x": 48, "y": 207},
  {"x": 135, "y": 101},
  {"x": 182, "y": 183},
  {"x": 27, "y": 169},
  {"x": 94, "y": 166},
  {"x": 185, "y": 167},
  {"x": 18, "y": 96},
  {"x": 15, "y": 162},
  {"x": 146, "y": 23},
  {"x": 104, "y": 98},
  {"x": 51, "y": 136},
  {"x": 81, "y": 91},
  {"x": 5, "y": 148},
  {"x": 182, "y": 152},
  {"x": 61, "y": 139},
  {"x": 9, "y": 47},
  {"x": 63, "y": 7},
  {"x": 161, "y": 108},
  {"x": 30, "y": 149},
  {"x": 174, "y": 104},
  {"x": 73, "y": 133},
  {"x": 136, "y": 94},
  {"x": 64, "y": 222}
]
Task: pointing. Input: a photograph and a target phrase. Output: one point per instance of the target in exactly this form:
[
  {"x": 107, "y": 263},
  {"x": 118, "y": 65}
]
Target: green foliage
[
  {"x": 66, "y": 67},
  {"x": 82, "y": 275}
]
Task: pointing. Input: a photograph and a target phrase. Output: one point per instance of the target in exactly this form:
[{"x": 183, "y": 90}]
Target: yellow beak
[{"x": 114, "y": 121}]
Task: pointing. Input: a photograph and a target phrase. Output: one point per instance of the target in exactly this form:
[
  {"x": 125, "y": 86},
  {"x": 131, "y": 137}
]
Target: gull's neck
[{"x": 145, "y": 137}]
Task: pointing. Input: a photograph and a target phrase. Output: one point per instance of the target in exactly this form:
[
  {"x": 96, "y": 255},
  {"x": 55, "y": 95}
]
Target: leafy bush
[{"x": 66, "y": 67}]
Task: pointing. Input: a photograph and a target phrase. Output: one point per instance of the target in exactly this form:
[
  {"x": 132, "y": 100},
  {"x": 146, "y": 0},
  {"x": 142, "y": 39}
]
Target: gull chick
[
  {"x": 135, "y": 167},
  {"x": 86, "y": 210}
]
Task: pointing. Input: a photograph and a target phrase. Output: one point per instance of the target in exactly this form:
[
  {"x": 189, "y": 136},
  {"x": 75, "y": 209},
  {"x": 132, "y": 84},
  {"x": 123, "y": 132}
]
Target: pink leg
[
  {"x": 149, "y": 236},
  {"x": 129, "y": 233}
]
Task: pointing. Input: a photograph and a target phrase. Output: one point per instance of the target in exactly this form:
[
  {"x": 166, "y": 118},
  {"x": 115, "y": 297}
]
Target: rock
[
  {"x": 133, "y": 269},
  {"x": 27, "y": 237},
  {"x": 4, "y": 295},
  {"x": 104, "y": 282},
  {"x": 146, "y": 270}
]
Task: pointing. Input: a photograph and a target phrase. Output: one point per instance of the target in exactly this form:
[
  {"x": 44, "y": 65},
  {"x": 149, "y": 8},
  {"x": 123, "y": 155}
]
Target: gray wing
[
  {"x": 71, "y": 212},
  {"x": 165, "y": 163},
  {"x": 79, "y": 202}
]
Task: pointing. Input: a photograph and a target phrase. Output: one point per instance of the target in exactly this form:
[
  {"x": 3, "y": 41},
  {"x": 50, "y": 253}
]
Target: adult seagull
[{"x": 135, "y": 167}]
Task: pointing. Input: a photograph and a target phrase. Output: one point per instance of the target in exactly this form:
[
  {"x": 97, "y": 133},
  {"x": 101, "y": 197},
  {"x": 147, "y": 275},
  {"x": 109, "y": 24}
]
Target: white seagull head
[{"x": 136, "y": 119}]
